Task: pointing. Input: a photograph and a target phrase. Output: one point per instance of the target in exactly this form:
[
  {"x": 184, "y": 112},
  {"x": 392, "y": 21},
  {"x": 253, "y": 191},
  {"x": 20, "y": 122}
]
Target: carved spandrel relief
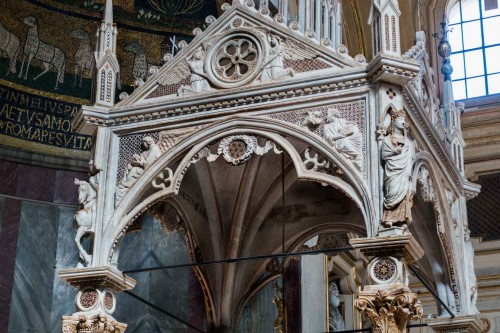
[
  {"x": 344, "y": 136},
  {"x": 85, "y": 215},
  {"x": 398, "y": 154},
  {"x": 349, "y": 125},
  {"x": 137, "y": 165}
]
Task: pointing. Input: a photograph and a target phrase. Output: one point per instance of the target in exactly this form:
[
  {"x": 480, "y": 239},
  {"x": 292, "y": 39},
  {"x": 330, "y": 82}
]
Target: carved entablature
[{"x": 423, "y": 86}]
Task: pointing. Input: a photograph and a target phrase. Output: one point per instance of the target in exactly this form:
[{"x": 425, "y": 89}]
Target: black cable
[
  {"x": 139, "y": 298},
  {"x": 226, "y": 261}
]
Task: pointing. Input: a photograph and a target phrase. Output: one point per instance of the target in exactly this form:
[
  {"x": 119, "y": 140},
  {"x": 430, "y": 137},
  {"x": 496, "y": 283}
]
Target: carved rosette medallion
[
  {"x": 237, "y": 149},
  {"x": 236, "y": 59}
]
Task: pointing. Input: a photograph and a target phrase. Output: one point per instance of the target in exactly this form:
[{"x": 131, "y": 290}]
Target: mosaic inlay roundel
[
  {"x": 88, "y": 298},
  {"x": 384, "y": 269}
]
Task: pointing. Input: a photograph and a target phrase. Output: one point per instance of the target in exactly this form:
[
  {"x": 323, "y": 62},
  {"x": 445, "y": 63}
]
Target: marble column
[
  {"x": 387, "y": 300},
  {"x": 314, "y": 293}
]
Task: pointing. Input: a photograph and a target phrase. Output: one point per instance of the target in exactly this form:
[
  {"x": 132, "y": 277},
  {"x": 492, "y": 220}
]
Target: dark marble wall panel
[
  {"x": 196, "y": 315},
  {"x": 66, "y": 257},
  {"x": 35, "y": 183},
  {"x": 34, "y": 269},
  {"x": 65, "y": 191},
  {"x": 9, "y": 172},
  {"x": 260, "y": 312},
  {"x": 168, "y": 289},
  {"x": 8, "y": 242},
  {"x": 292, "y": 296},
  {"x": 2, "y": 205}
]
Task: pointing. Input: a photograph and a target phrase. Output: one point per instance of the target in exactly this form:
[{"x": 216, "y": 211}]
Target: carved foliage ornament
[{"x": 389, "y": 312}]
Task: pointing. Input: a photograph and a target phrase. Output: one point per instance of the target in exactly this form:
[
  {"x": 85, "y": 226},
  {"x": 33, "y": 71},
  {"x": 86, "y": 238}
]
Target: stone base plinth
[
  {"x": 390, "y": 244},
  {"x": 104, "y": 276},
  {"x": 459, "y": 324}
]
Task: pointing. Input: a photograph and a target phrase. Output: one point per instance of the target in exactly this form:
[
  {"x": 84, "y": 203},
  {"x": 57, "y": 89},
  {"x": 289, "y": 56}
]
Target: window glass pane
[
  {"x": 457, "y": 61},
  {"x": 472, "y": 35},
  {"x": 474, "y": 64},
  {"x": 454, "y": 16},
  {"x": 455, "y": 38},
  {"x": 476, "y": 87},
  {"x": 491, "y": 12},
  {"x": 491, "y": 33},
  {"x": 459, "y": 90},
  {"x": 470, "y": 10},
  {"x": 492, "y": 59},
  {"x": 494, "y": 84}
]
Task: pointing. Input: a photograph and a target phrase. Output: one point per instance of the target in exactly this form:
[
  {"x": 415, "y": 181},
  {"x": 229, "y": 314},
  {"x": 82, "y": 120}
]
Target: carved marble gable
[{"x": 243, "y": 47}]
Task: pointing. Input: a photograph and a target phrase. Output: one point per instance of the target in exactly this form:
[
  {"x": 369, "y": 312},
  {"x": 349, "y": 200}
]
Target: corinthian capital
[{"x": 389, "y": 311}]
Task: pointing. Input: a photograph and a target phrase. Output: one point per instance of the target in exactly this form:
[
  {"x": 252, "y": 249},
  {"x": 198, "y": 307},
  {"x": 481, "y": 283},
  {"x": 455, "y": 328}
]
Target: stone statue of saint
[
  {"x": 345, "y": 136},
  {"x": 398, "y": 152},
  {"x": 471, "y": 275},
  {"x": 136, "y": 167},
  {"x": 336, "y": 323}
]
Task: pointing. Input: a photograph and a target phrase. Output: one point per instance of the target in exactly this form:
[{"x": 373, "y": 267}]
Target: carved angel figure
[
  {"x": 336, "y": 322},
  {"x": 136, "y": 167},
  {"x": 274, "y": 67},
  {"x": 398, "y": 152},
  {"x": 198, "y": 78},
  {"x": 85, "y": 216},
  {"x": 345, "y": 136}
]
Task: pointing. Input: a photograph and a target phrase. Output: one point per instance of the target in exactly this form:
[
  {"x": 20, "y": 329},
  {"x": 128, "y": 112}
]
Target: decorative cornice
[
  {"x": 465, "y": 324},
  {"x": 404, "y": 245},
  {"x": 98, "y": 276}
]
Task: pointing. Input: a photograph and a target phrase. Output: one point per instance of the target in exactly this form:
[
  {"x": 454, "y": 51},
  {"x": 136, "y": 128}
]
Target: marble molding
[{"x": 459, "y": 324}]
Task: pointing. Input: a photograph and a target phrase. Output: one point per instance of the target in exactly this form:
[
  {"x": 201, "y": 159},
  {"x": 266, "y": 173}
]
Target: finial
[
  {"x": 444, "y": 50},
  {"x": 108, "y": 11}
]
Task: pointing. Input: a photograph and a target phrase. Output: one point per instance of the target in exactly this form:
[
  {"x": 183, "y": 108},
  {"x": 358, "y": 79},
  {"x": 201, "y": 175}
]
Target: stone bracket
[
  {"x": 404, "y": 245},
  {"x": 104, "y": 276},
  {"x": 459, "y": 324}
]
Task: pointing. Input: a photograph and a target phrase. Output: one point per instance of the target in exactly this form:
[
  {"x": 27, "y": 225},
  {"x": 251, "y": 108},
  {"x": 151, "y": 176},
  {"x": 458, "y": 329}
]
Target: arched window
[{"x": 475, "y": 42}]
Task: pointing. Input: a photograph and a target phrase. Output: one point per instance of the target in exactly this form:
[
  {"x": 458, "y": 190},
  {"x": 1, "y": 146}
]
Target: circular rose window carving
[{"x": 235, "y": 59}]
